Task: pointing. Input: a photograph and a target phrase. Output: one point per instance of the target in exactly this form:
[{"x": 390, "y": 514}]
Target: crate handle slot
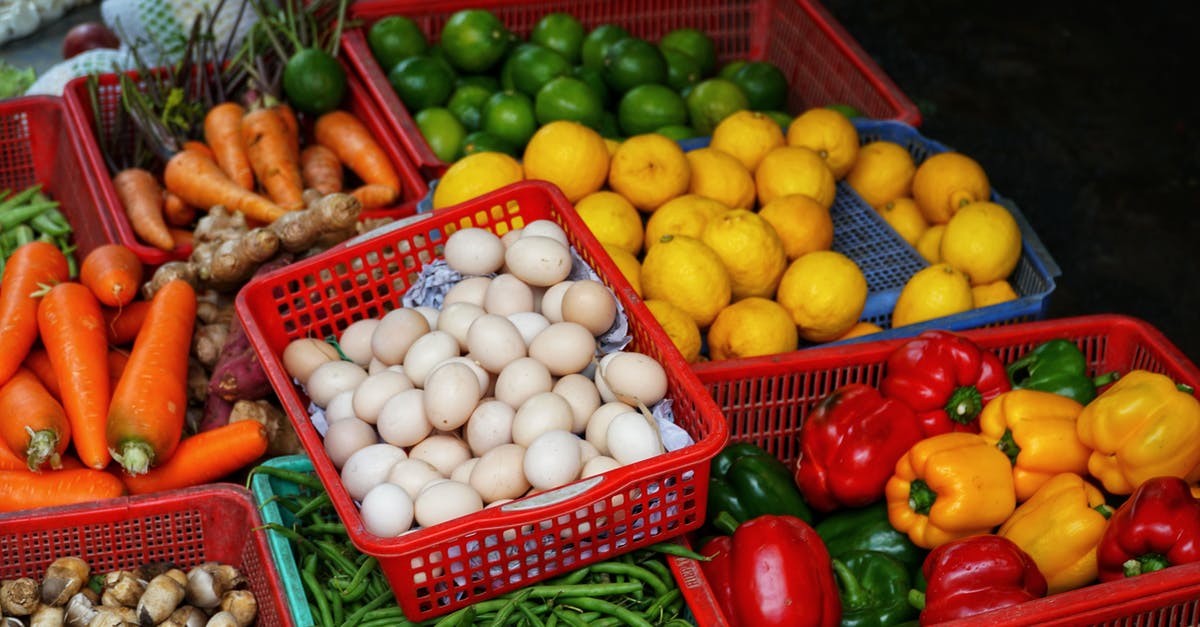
[{"x": 552, "y": 497}]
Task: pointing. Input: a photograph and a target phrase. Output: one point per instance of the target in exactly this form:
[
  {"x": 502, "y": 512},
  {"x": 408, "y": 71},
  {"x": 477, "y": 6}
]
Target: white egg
[
  {"x": 303, "y": 355},
  {"x": 462, "y": 472},
  {"x": 598, "y": 465},
  {"x": 469, "y": 290},
  {"x": 451, "y": 393},
  {"x": 446, "y": 500},
  {"x": 591, "y": 304},
  {"x": 583, "y": 397},
  {"x": 345, "y": 438},
  {"x": 597, "y": 426},
  {"x": 332, "y": 378},
  {"x": 631, "y": 438},
  {"x": 482, "y": 376},
  {"x": 500, "y": 473},
  {"x": 541, "y": 413},
  {"x": 402, "y": 420},
  {"x": 456, "y": 318},
  {"x": 529, "y": 324},
  {"x": 428, "y": 351},
  {"x": 564, "y": 347},
  {"x": 552, "y": 300},
  {"x": 387, "y": 510},
  {"x": 376, "y": 366},
  {"x": 369, "y": 467},
  {"x": 375, "y": 390},
  {"x": 490, "y": 426},
  {"x": 355, "y": 340},
  {"x": 494, "y": 342},
  {"x": 587, "y": 451},
  {"x": 521, "y": 379},
  {"x": 443, "y": 452},
  {"x": 546, "y": 228},
  {"x": 412, "y": 475},
  {"x": 633, "y": 378},
  {"x": 538, "y": 260},
  {"x": 395, "y": 334},
  {"x": 341, "y": 407},
  {"x": 430, "y": 314},
  {"x": 474, "y": 251},
  {"x": 507, "y": 294},
  {"x": 552, "y": 460}
]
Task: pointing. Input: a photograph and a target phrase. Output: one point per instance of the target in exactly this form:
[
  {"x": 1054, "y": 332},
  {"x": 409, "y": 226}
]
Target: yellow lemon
[
  {"x": 475, "y": 175},
  {"x": 794, "y": 170},
  {"x": 682, "y": 215},
  {"x": 680, "y": 327},
  {"x": 930, "y": 243},
  {"x": 611, "y": 145},
  {"x": 686, "y": 272},
  {"x": 906, "y": 218},
  {"x": 825, "y": 292},
  {"x": 612, "y": 219},
  {"x": 719, "y": 176},
  {"x": 629, "y": 266},
  {"x": 932, "y": 292},
  {"x": 883, "y": 172},
  {"x": 570, "y": 155},
  {"x": 945, "y": 182},
  {"x": 992, "y": 293},
  {"x": 803, "y": 225},
  {"x": 751, "y": 327},
  {"x": 649, "y": 170},
  {"x": 748, "y": 136},
  {"x": 983, "y": 241},
  {"x": 830, "y": 134},
  {"x": 860, "y": 329},
  {"x": 751, "y": 251}
]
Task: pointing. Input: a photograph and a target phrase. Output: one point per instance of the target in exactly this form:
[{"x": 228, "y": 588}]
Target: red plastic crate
[
  {"x": 37, "y": 146},
  {"x": 767, "y": 402},
  {"x": 442, "y": 568},
  {"x": 822, "y": 62},
  {"x": 83, "y": 118},
  {"x": 216, "y": 522}
]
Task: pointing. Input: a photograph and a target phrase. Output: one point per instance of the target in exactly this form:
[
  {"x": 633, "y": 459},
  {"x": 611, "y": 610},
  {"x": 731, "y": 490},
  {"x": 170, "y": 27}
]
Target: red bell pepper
[
  {"x": 974, "y": 575},
  {"x": 773, "y": 571},
  {"x": 849, "y": 445},
  {"x": 946, "y": 378},
  {"x": 1158, "y": 526}
]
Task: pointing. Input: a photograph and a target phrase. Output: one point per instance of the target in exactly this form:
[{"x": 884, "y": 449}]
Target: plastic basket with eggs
[{"x": 539, "y": 420}]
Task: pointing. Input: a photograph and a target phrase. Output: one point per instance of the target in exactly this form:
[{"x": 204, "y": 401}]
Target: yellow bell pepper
[
  {"x": 1060, "y": 527},
  {"x": 1141, "y": 427},
  {"x": 950, "y": 486},
  {"x": 1036, "y": 430}
]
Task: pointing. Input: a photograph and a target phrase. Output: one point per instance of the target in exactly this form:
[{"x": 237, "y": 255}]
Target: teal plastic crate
[{"x": 264, "y": 487}]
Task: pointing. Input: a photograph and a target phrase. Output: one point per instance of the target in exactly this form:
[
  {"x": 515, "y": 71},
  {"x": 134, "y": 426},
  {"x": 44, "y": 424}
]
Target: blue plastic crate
[{"x": 264, "y": 488}]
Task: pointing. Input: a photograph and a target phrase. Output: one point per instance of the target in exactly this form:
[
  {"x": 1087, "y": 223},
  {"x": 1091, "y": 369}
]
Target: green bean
[
  {"x": 661, "y": 603},
  {"x": 358, "y": 584},
  {"x": 312, "y": 505},
  {"x": 677, "y": 622},
  {"x": 678, "y": 550},
  {"x": 464, "y": 616},
  {"x": 612, "y": 609},
  {"x": 607, "y": 621},
  {"x": 357, "y": 616},
  {"x": 326, "y": 528},
  {"x": 573, "y": 577},
  {"x": 20, "y": 198},
  {"x": 299, "y": 478},
  {"x": 334, "y": 553},
  {"x": 318, "y": 596},
  {"x": 634, "y": 571},
  {"x": 583, "y": 589},
  {"x": 10, "y": 218},
  {"x": 660, "y": 569},
  {"x": 569, "y": 617},
  {"x": 385, "y": 612},
  {"x": 509, "y": 608},
  {"x": 47, "y": 223},
  {"x": 529, "y": 614},
  {"x": 552, "y": 621},
  {"x": 287, "y": 532},
  {"x": 336, "y": 608}
]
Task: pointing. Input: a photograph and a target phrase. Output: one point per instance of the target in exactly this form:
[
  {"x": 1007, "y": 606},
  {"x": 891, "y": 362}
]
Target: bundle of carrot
[{"x": 81, "y": 420}]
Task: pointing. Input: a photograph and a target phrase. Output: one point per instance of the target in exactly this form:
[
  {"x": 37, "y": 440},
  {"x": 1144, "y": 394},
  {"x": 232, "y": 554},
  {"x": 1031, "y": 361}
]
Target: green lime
[
  {"x": 486, "y": 81},
  {"x": 846, "y": 110},
  {"x": 394, "y": 39},
  {"x": 466, "y": 103},
  {"x": 530, "y": 66},
  {"x": 764, "y": 84},
  {"x": 567, "y": 98},
  {"x": 648, "y": 107},
  {"x": 596, "y": 44},
  {"x": 632, "y": 62},
  {"x": 560, "y": 32},
  {"x": 676, "y": 132},
  {"x": 686, "y": 90},
  {"x": 594, "y": 79},
  {"x": 442, "y": 130},
  {"x": 695, "y": 44},
  {"x": 729, "y": 69},
  {"x": 712, "y": 101},
  {"x": 422, "y": 81},
  {"x": 474, "y": 39},
  {"x": 780, "y": 117},
  {"x": 509, "y": 116},
  {"x": 682, "y": 68},
  {"x": 608, "y": 126},
  {"x": 483, "y": 141},
  {"x": 314, "y": 81}
]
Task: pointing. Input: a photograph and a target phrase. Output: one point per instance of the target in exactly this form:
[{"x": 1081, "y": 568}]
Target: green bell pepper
[
  {"x": 868, "y": 529},
  {"x": 1059, "y": 367},
  {"x": 748, "y": 482},
  {"x": 874, "y": 589}
]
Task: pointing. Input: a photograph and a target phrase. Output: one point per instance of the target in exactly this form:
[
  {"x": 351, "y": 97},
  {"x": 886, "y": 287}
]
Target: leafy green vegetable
[{"x": 14, "y": 80}]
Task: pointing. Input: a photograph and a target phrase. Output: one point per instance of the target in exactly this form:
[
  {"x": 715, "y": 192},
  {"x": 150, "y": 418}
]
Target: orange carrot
[
  {"x": 141, "y": 196},
  {"x": 121, "y": 326},
  {"x": 21, "y": 489},
  {"x": 204, "y": 458},
  {"x": 201, "y": 183},
  {"x": 29, "y": 267},
  {"x": 374, "y": 196},
  {"x": 321, "y": 169},
  {"x": 10, "y": 461},
  {"x": 183, "y": 237},
  {"x": 292, "y": 124},
  {"x": 350, "y": 140},
  {"x": 145, "y": 418},
  {"x": 38, "y": 362},
  {"x": 270, "y": 147},
  {"x": 223, "y": 134},
  {"x": 175, "y": 211},
  {"x": 117, "y": 360},
  {"x": 113, "y": 272},
  {"x": 32, "y": 424},
  {"x": 200, "y": 148},
  {"x": 72, "y": 330}
]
